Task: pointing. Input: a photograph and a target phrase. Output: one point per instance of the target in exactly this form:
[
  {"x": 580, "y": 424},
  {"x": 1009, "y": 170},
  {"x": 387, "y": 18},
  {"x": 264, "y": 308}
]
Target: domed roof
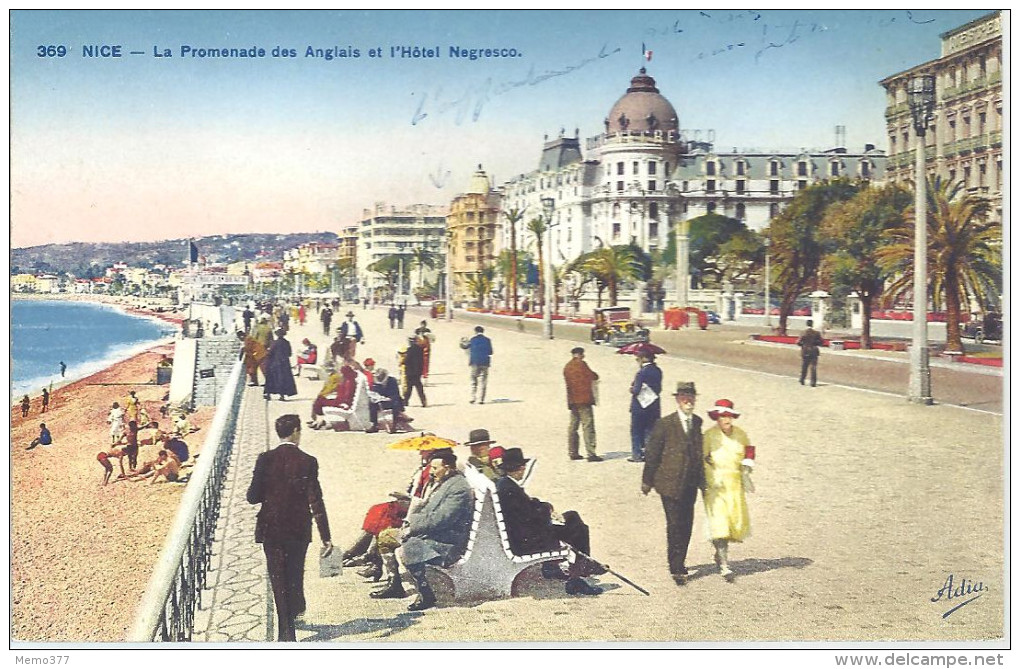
[
  {"x": 642, "y": 109},
  {"x": 479, "y": 182}
]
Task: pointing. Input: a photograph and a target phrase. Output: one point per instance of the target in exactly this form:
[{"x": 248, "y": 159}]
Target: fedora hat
[
  {"x": 723, "y": 408},
  {"x": 685, "y": 388},
  {"x": 514, "y": 458},
  {"x": 350, "y": 314},
  {"x": 478, "y": 438}
]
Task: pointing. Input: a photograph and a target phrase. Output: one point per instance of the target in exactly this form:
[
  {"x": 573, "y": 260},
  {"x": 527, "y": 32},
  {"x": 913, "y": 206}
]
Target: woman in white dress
[{"x": 729, "y": 458}]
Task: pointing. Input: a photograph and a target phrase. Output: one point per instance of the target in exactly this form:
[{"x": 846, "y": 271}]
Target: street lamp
[
  {"x": 921, "y": 97},
  {"x": 548, "y": 205},
  {"x": 449, "y": 274},
  {"x": 768, "y": 276}
]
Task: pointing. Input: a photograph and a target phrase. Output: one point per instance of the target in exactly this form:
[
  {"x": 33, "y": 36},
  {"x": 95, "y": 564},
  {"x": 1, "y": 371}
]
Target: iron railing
[{"x": 167, "y": 610}]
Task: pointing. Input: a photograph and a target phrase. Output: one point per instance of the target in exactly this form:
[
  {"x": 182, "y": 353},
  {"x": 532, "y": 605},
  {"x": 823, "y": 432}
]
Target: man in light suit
[
  {"x": 286, "y": 484},
  {"x": 673, "y": 466},
  {"x": 435, "y": 533}
]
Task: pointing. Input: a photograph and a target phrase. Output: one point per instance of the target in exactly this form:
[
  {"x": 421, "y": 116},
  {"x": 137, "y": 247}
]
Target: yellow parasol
[{"x": 426, "y": 441}]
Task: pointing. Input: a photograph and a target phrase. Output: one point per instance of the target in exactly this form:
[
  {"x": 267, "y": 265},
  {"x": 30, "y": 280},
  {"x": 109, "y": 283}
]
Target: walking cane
[{"x": 616, "y": 574}]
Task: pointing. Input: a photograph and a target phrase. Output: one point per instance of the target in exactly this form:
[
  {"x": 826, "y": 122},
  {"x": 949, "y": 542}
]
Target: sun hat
[{"x": 723, "y": 408}]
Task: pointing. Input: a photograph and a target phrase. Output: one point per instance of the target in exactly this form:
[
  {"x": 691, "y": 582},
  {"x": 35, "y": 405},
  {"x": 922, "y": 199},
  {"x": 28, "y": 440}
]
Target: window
[
  {"x": 616, "y": 210},
  {"x": 666, "y": 171},
  {"x": 710, "y": 168},
  {"x": 651, "y": 185},
  {"x": 741, "y": 211},
  {"x": 616, "y": 229},
  {"x": 865, "y": 169},
  {"x": 635, "y": 167},
  {"x": 982, "y": 119},
  {"x": 741, "y": 168},
  {"x": 982, "y": 170},
  {"x": 619, "y": 168},
  {"x": 966, "y": 176},
  {"x": 774, "y": 186},
  {"x": 774, "y": 168},
  {"x": 802, "y": 169},
  {"x": 619, "y": 185},
  {"x": 952, "y": 175},
  {"x": 653, "y": 229},
  {"x": 802, "y": 184},
  {"x": 653, "y": 210},
  {"x": 834, "y": 169},
  {"x": 651, "y": 167},
  {"x": 892, "y": 142},
  {"x": 741, "y": 186},
  {"x": 710, "y": 186},
  {"x": 773, "y": 210},
  {"x": 711, "y": 207},
  {"x": 684, "y": 186}
]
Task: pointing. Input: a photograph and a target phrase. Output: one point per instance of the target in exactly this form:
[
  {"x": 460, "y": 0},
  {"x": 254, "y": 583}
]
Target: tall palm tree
[
  {"x": 537, "y": 227},
  {"x": 479, "y": 284},
  {"x": 964, "y": 253},
  {"x": 422, "y": 258},
  {"x": 613, "y": 264},
  {"x": 513, "y": 217}
]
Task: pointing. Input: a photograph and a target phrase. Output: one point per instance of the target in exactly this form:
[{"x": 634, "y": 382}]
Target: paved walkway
[{"x": 864, "y": 505}]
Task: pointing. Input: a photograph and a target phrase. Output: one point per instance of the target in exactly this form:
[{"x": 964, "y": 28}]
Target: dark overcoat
[
  {"x": 286, "y": 483},
  {"x": 673, "y": 458}
]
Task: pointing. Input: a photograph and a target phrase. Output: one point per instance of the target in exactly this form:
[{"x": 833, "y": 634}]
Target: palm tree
[
  {"x": 504, "y": 263},
  {"x": 479, "y": 284},
  {"x": 538, "y": 227},
  {"x": 964, "y": 253},
  {"x": 422, "y": 258},
  {"x": 513, "y": 217},
  {"x": 613, "y": 264}
]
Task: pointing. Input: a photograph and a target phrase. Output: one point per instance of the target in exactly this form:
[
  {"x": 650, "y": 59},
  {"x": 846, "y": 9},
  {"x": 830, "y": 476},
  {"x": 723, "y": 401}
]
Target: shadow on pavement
[
  {"x": 750, "y": 566},
  {"x": 385, "y": 626}
]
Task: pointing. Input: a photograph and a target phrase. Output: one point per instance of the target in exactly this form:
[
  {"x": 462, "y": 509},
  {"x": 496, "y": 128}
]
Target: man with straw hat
[{"x": 673, "y": 467}]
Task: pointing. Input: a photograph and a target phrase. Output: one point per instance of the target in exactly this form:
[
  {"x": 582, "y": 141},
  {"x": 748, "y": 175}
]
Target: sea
[{"x": 86, "y": 336}]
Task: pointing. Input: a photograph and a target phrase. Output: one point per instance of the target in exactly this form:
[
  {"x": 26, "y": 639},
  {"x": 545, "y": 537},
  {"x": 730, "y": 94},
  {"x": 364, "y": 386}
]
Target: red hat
[
  {"x": 369, "y": 362},
  {"x": 496, "y": 452},
  {"x": 723, "y": 408}
]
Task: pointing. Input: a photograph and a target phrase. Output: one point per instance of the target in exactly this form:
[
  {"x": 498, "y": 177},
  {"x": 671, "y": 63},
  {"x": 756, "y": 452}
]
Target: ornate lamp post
[
  {"x": 921, "y": 97},
  {"x": 548, "y": 206},
  {"x": 449, "y": 274}
]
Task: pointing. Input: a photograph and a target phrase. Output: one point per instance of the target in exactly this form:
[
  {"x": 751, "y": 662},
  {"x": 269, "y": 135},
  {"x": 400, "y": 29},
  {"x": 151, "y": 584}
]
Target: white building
[{"x": 388, "y": 231}]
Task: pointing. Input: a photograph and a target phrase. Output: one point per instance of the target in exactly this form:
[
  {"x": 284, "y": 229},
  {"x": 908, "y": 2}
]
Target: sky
[{"x": 147, "y": 147}]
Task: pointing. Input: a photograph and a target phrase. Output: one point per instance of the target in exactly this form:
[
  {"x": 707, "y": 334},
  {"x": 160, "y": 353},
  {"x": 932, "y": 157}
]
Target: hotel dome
[{"x": 642, "y": 109}]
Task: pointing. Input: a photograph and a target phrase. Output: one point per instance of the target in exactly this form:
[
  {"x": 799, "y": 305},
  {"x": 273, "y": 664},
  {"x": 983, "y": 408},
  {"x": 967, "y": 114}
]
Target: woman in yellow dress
[{"x": 729, "y": 458}]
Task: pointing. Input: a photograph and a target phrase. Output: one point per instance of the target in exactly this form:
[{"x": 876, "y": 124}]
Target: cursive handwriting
[
  {"x": 950, "y": 590},
  {"x": 474, "y": 98}
]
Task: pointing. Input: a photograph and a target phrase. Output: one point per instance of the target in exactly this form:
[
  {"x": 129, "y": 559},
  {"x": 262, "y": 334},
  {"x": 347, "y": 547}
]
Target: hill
[{"x": 83, "y": 259}]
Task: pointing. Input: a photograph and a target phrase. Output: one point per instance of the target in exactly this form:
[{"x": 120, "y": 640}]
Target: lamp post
[
  {"x": 449, "y": 275},
  {"x": 768, "y": 277},
  {"x": 921, "y": 97},
  {"x": 548, "y": 206}
]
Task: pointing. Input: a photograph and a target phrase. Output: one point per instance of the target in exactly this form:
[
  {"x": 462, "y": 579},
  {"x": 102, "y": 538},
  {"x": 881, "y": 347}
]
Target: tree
[
  {"x": 857, "y": 230},
  {"x": 479, "y": 284},
  {"x": 422, "y": 258},
  {"x": 504, "y": 263},
  {"x": 513, "y": 217},
  {"x": 389, "y": 268},
  {"x": 708, "y": 234},
  {"x": 964, "y": 253},
  {"x": 612, "y": 265},
  {"x": 797, "y": 241},
  {"x": 537, "y": 227}
]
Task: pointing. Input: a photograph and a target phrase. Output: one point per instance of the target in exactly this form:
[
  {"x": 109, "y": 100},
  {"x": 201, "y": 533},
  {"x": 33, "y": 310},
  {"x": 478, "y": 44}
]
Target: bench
[
  {"x": 315, "y": 372},
  {"x": 489, "y": 569},
  {"x": 357, "y": 416}
]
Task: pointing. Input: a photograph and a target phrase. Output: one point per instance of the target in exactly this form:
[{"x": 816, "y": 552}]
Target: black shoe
[
  {"x": 422, "y": 602},
  {"x": 579, "y": 586},
  {"x": 394, "y": 590},
  {"x": 372, "y": 573},
  {"x": 575, "y": 456},
  {"x": 680, "y": 579},
  {"x": 372, "y": 430},
  {"x": 594, "y": 458},
  {"x": 635, "y": 459}
]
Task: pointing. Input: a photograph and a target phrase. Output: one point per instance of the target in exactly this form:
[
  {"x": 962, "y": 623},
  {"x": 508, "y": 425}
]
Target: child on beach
[
  {"x": 44, "y": 437},
  {"x": 26, "y": 405},
  {"x": 104, "y": 460},
  {"x": 131, "y": 448},
  {"x": 116, "y": 421},
  {"x": 45, "y": 400}
]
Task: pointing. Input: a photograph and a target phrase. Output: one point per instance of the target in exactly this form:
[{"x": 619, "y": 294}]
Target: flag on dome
[{"x": 647, "y": 53}]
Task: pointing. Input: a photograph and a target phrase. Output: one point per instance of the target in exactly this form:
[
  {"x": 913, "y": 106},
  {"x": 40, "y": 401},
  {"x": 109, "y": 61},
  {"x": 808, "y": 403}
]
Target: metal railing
[{"x": 167, "y": 610}]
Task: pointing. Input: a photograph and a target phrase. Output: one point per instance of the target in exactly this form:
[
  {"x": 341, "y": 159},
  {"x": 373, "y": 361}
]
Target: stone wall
[{"x": 214, "y": 360}]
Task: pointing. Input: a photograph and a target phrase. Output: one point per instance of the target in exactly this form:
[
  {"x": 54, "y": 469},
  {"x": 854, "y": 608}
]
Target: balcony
[{"x": 897, "y": 110}]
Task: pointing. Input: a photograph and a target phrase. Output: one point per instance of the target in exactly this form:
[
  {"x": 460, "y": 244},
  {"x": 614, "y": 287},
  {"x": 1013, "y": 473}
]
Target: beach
[{"x": 81, "y": 553}]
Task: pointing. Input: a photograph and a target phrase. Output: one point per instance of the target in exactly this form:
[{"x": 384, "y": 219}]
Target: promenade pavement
[{"x": 865, "y": 506}]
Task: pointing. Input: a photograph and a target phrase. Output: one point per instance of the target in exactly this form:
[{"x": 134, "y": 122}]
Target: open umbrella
[
  {"x": 640, "y": 347},
  {"x": 426, "y": 441}
]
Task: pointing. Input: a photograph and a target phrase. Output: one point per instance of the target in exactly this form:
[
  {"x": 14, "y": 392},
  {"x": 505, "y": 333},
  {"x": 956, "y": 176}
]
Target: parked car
[
  {"x": 988, "y": 328},
  {"x": 613, "y": 325}
]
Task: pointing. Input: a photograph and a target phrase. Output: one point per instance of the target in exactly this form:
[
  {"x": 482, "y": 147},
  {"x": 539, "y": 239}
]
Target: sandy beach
[{"x": 82, "y": 553}]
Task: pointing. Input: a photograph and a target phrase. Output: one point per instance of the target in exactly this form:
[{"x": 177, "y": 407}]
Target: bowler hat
[
  {"x": 723, "y": 408},
  {"x": 514, "y": 458},
  {"x": 478, "y": 437},
  {"x": 685, "y": 388},
  {"x": 350, "y": 314}
]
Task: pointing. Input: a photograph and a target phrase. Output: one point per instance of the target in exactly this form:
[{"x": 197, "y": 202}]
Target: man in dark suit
[
  {"x": 286, "y": 483},
  {"x": 531, "y": 529},
  {"x": 414, "y": 367},
  {"x": 674, "y": 467},
  {"x": 644, "y": 404}
]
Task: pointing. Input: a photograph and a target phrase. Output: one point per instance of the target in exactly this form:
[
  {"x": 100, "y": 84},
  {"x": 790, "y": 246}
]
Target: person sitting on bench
[
  {"x": 386, "y": 386},
  {"x": 532, "y": 527},
  {"x": 308, "y": 355},
  {"x": 436, "y": 533}
]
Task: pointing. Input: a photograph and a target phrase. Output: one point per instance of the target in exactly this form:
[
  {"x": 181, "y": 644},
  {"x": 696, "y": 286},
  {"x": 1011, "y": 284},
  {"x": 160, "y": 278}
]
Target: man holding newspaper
[{"x": 645, "y": 409}]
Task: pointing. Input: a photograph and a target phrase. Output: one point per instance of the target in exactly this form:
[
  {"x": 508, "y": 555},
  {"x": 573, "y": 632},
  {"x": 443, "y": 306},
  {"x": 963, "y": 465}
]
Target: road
[{"x": 865, "y": 504}]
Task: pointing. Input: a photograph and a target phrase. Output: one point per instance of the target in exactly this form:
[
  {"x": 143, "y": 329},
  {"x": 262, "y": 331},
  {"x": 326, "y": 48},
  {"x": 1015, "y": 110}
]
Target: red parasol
[{"x": 640, "y": 347}]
